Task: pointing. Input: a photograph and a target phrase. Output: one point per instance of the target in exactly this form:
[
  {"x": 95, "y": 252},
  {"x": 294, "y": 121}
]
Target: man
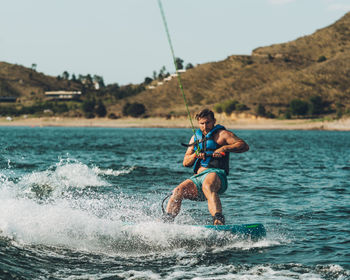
[{"x": 208, "y": 151}]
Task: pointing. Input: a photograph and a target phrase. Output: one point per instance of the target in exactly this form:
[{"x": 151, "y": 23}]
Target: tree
[
  {"x": 179, "y": 63},
  {"x": 299, "y": 107},
  {"x": 229, "y": 106},
  {"x": 99, "y": 80},
  {"x": 134, "y": 109},
  {"x": 148, "y": 80},
  {"x": 101, "y": 109},
  {"x": 34, "y": 66},
  {"x": 339, "y": 109},
  {"x": 88, "y": 105},
  {"x": 241, "y": 107},
  {"x": 321, "y": 58},
  {"x": 317, "y": 105},
  {"x": 218, "y": 108},
  {"x": 287, "y": 115},
  {"x": 189, "y": 66},
  {"x": 260, "y": 110},
  {"x": 88, "y": 79},
  {"x": 162, "y": 72},
  {"x": 65, "y": 75}
]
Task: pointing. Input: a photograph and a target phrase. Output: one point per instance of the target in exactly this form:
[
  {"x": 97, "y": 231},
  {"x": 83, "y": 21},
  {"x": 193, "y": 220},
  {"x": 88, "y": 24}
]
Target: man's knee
[
  {"x": 178, "y": 193},
  {"x": 208, "y": 189},
  {"x": 213, "y": 184},
  {"x": 185, "y": 190}
]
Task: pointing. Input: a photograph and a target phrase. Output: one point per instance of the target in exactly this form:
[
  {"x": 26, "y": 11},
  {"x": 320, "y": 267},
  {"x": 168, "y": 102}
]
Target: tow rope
[
  {"x": 180, "y": 85},
  {"x": 163, "y": 210},
  {"x": 175, "y": 64}
]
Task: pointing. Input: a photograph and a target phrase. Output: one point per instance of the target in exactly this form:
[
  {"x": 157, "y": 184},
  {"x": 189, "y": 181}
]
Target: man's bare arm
[
  {"x": 231, "y": 143},
  {"x": 190, "y": 156}
]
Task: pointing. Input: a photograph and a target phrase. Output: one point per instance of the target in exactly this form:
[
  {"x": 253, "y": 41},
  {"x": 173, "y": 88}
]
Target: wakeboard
[{"x": 253, "y": 231}]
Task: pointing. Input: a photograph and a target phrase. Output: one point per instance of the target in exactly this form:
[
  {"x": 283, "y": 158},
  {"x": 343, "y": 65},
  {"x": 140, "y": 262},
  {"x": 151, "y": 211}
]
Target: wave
[
  {"x": 71, "y": 204},
  {"x": 111, "y": 172},
  {"x": 244, "y": 272},
  {"x": 102, "y": 224},
  {"x": 58, "y": 178}
]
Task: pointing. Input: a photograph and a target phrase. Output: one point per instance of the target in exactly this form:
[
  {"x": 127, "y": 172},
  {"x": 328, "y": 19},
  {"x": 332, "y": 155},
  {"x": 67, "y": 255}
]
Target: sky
[{"x": 124, "y": 41}]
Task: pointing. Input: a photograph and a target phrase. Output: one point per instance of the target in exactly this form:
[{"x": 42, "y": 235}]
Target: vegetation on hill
[
  {"x": 272, "y": 77},
  {"x": 307, "y": 77}
]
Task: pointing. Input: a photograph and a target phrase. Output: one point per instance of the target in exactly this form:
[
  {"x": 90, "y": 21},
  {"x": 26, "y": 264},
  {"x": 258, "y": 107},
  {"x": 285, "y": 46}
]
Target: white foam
[
  {"x": 111, "y": 172},
  {"x": 136, "y": 275},
  {"x": 59, "y": 224},
  {"x": 58, "y": 178},
  {"x": 47, "y": 208},
  {"x": 95, "y": 223},
  {"x": 87, "y": 225},
  {"x": 229, "y": 271}
]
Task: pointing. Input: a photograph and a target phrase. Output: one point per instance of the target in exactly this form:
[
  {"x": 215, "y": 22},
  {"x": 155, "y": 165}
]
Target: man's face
[{"x": 206, "y": 124}]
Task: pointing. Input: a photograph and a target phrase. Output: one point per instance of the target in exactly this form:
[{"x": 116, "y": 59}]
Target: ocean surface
[{"x": 85, "y": 203}]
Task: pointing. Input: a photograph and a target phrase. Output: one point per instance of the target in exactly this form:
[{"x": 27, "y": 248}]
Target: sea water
[{"x": 85, "y": 203}]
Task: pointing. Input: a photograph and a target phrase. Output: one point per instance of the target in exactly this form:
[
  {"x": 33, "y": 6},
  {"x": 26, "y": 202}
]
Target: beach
[{"x": 182, "y": 122}]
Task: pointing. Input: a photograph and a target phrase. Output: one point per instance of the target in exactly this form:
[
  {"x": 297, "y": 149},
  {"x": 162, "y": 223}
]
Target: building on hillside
[
  {"x": 96, "y": 85},
  {"x": 63, "y": 95},
  {"x": 8, "y": 99},
  {"x": 167, "y": 79}
]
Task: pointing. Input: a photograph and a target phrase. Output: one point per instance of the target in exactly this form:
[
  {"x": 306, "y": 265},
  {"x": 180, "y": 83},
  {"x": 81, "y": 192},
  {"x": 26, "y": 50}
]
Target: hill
[
  {"x": 314, "y": 65},
  {"x": 29, "y": 85},
  {"x": 272, "y": 77}
]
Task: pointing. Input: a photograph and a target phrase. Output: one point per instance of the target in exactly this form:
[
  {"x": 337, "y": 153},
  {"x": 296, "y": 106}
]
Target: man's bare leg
[
  {"x": 188, "y": 190},
  {"x": 211, "y": 185}
]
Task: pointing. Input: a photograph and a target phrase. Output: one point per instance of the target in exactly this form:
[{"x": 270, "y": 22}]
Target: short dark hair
[{"x": 205, "y": 113}]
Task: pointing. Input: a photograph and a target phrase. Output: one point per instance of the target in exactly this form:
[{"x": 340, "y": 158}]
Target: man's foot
[
  {"x": 218, "y": 219},
  {"x": 168, "y": 218}
]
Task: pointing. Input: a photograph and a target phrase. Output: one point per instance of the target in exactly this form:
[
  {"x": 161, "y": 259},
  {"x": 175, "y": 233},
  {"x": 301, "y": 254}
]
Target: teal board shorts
[{"x": 199, "y": 178}]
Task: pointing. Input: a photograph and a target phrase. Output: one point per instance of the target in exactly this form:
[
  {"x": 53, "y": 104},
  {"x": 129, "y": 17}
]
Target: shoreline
[{"x": 229, "y": 122}]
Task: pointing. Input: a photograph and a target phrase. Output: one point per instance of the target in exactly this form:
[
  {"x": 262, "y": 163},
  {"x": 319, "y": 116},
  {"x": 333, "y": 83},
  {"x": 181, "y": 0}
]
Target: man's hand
[
  {"x": 218, "y": 154},
  {"x": 200, "y": 155}
]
